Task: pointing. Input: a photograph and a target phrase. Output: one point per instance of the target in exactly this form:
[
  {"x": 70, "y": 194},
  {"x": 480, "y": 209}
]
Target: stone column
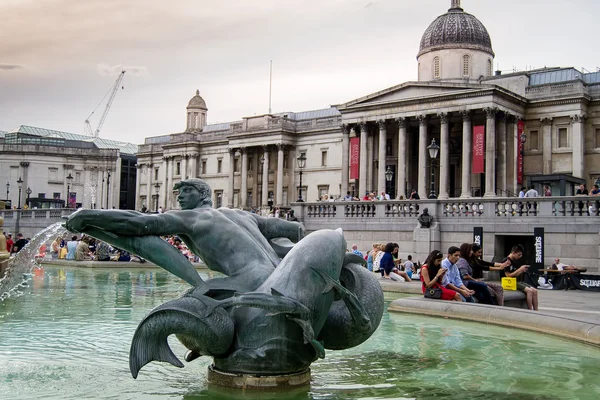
[
  {"x": 244, "y": 186},
  {"x": 370, "y": 163},
  {"x": 231, "y": 177},
  {"x": 116, "y": 185},
  {"x": 502, "y": 155},
  {"x": 382, "y": 157},
  {"x": 490, "y": 152},
  {"x": 169, "y": 186},
  {"x": 184, "y": 167},
  {"x": 466, "y": 155},
  {"x": 422, "y": 185},
  {"x": 265, "y": 178},
  {"x": 137, "y": 186},
  {"x": 362, "y": 185},
  {"x": 511, "y": 153},
  {"x": 193, "y": 166},
  {"x": 163, "y": 198},
  {"x": 578, "y": 145},
  {"x": 149, "y": 184},
  {"x": 87, "y": 188},
  {"x": 546, "y": 145},
  {"x": 444, "y": 155},
  {"x": 402, "y": 159},
  {"x": 255, "y": 164},
  {"x": 279, "y": 192},
  {"x": 345, "y": 158},
  {"x": 100, "y": 189}
]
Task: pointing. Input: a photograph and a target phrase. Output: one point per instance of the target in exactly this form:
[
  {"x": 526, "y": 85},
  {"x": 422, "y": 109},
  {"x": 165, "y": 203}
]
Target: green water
[{"x": 68, "y": 338}]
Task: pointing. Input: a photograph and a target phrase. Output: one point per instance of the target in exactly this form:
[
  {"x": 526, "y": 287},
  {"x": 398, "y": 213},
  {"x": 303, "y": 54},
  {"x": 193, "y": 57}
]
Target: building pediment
[{"x": 412, "y": 90}]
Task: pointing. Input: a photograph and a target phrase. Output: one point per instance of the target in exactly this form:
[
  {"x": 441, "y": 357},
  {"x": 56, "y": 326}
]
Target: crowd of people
[{"x": 456, "y": 275}]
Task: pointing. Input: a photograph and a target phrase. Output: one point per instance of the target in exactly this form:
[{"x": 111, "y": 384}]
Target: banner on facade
[
  {"x": 520, "y": 128},
  {"x": 73, "y": 200},
  {"x": 585, "y": 282},
  {"x": 354, "y": 157},
  {"x": 478, "y": 149},
  {"x": 538, "y": 242},
  {"x": 478, "y": 235}
]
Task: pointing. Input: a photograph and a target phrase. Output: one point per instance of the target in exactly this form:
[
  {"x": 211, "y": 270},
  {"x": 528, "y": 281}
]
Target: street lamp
[
  {"x": 7, "y": 187},
  {"x": 107, "y": 187},
  {"x": 389, "y": 175},
  {"x": 301, "y": 164},
  {"x": 28, "y": 191},
  {"x": 157, "y": 188},
  {"x": 433, "y": 153},
  {"x": 69, "y": 179},
  {"x": 20, "y": 183}
]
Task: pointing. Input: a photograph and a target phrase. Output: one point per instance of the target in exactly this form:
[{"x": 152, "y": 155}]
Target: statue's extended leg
[{"x": 154, "y": 249}]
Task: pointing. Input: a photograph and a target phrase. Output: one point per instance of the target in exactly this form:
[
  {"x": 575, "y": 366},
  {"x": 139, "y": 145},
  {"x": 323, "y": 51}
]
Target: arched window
[
  {"x": 489, "y": 68},
  {"x": 436, "y": 68},
  {"x": 466, "y": 65}
]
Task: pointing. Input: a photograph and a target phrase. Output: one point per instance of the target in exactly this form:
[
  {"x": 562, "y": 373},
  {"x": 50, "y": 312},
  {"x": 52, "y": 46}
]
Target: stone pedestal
[
  {"x": 426, "y": 240},
  {"x": 252, "y": 382}
]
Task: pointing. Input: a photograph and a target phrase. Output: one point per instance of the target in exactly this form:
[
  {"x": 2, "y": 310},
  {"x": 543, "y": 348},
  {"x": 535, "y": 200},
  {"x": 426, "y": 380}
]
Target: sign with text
[
  {"x": 538, "y": 243},
  {"x": 354, "y": 157},
  {"x": 520, "y": 128},
  {"x": 478, "y": 235},
  {"x": 478, "y": 149}
]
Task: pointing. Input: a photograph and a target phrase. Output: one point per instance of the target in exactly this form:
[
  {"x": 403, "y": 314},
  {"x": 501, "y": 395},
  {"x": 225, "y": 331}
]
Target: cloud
[
  {"x": 108, "y": 70},
  {"x": 8, "y": 67}
]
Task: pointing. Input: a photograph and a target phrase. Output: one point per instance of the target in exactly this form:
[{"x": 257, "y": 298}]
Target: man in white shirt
[
  {"x": 531, "y": 192},
  {"x": 522, "y": 192},
  {"x": 409, "y": 267}
]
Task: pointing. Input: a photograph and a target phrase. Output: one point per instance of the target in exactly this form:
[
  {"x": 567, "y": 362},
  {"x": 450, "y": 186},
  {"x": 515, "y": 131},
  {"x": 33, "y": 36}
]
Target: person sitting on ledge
[
  {"x": 432, "y": 275},
  {"x": 566, "y": 268},
  {"x": 388, "y": 267},
  {"x": 516, "y": 270}
]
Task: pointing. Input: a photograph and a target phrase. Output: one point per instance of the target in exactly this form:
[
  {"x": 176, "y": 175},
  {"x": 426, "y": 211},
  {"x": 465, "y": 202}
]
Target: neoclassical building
[{"x": 496, "y": 132}]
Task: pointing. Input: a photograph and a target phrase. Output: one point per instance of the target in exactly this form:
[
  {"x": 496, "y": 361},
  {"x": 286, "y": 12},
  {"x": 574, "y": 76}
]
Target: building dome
[
  {"x": 197, "y": 102},
  {"x": 456, "y": 30}
]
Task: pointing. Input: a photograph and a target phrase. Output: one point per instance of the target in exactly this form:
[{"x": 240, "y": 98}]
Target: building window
[
  {"x": 250, "y": 162},
  {"x": 236, "y": 165},
  {"x": 285, "y": 161},
  {"x": 533, "y": 140},
  {"x": 284, "y": 197},
  {"x": 324, "y": 158},
  {"x": 203, "y": 167},
  {"x": 56, "y": 196},
  {"x": 219, "y": 166},
  {"x": 218, "y": 198},
  {"x": 53, "y": 174},
  {"x": 156, "y": 174},
  {"x": 389, "y": 148},
  {"x": 597, "y": 137},
  {"x": 41, "y": 195},
  {"x": 563, "y": 138},
  {"x": 236, "y": 198},
  {"x": 436, "y": 68},
  {"x": 249, "y": 199},
  {"x": 466, "y": 66},
  {"x": 77, "y": 177},
  {"x": 178, "y": 168},
  {"x": 323, "y": 190},
  {"x": 489, "y": 68}
]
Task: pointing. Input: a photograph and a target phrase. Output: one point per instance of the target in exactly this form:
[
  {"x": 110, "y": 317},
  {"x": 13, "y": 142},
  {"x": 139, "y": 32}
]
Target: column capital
[
  {"x": 490, "y": 112},
  {"x": 265, "y": 148},
  {"x": 546, "y": 121},
  {"x": 402, "y": 122},
  {"x": 280, "y": 146},
  {"x": 232, "y": 151},
  {"x": 24, "y": 164},
  {"x": 443, "y": 117},
  {"x": 381, "y": 124},
  {"x": 345, "y": 129},
  {"x": 364, "y": 127},
  {"x": 466, "y": 115},
  {"x": 578, "y": 119},
  {"x": 422, "y": 119},
  {"x": 243, "y": 150}
]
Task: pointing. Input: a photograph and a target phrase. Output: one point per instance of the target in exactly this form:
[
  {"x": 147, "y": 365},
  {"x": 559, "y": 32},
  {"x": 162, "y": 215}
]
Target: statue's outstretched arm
[{"x": 275, "y": 228}]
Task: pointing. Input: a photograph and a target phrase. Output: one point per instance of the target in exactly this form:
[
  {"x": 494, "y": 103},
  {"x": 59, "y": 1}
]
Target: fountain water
[{"x": 18, "y": 272}]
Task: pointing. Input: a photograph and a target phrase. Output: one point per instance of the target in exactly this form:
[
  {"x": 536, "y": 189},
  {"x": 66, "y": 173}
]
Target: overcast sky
[{"x": 58, "y": 58}]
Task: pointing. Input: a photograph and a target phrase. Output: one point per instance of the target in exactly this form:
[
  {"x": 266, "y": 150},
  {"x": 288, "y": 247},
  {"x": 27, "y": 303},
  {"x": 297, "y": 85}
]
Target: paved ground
[{"x": 572, "y": 304}]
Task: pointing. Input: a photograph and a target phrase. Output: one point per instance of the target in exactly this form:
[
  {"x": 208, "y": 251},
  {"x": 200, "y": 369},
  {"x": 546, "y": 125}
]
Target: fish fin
[
  {"x": 274, "y": 292},
  {"x": 328, "y": 279},
  {"x": 319, "y": 348},
  {"x": 351, "y": 258}
]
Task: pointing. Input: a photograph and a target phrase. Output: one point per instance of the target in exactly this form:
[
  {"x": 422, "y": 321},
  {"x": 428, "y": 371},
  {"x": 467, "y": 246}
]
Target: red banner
[
  {"x": 520, "y": 128},
  {"x": 354, "y": 157},
  {"x": 478, "y": 149}
]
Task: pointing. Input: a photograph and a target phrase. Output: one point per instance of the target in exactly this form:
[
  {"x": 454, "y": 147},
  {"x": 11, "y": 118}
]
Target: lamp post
[
  {"x": 28, "y": 191},
  {"x": 157, "y": 188},
  {"x": 301, "y": 164},
  {"x": 7, "y": 187},
  {"x": 389, "y": 175},
  {"x": 107, "y": 187},
  {"x": 20, "y": 183},
  {"x": 433, "y": 153},
  {"x": 69, "y": 179}
]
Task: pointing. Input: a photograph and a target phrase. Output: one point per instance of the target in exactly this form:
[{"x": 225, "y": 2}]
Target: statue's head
[
  {"x": 425, "y": 211},
  {"x": 193, "y": 193}
]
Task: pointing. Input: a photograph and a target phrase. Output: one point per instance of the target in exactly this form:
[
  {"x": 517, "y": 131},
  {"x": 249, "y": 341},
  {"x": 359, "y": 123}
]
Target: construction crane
[{"x": 112, "y": 92}]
